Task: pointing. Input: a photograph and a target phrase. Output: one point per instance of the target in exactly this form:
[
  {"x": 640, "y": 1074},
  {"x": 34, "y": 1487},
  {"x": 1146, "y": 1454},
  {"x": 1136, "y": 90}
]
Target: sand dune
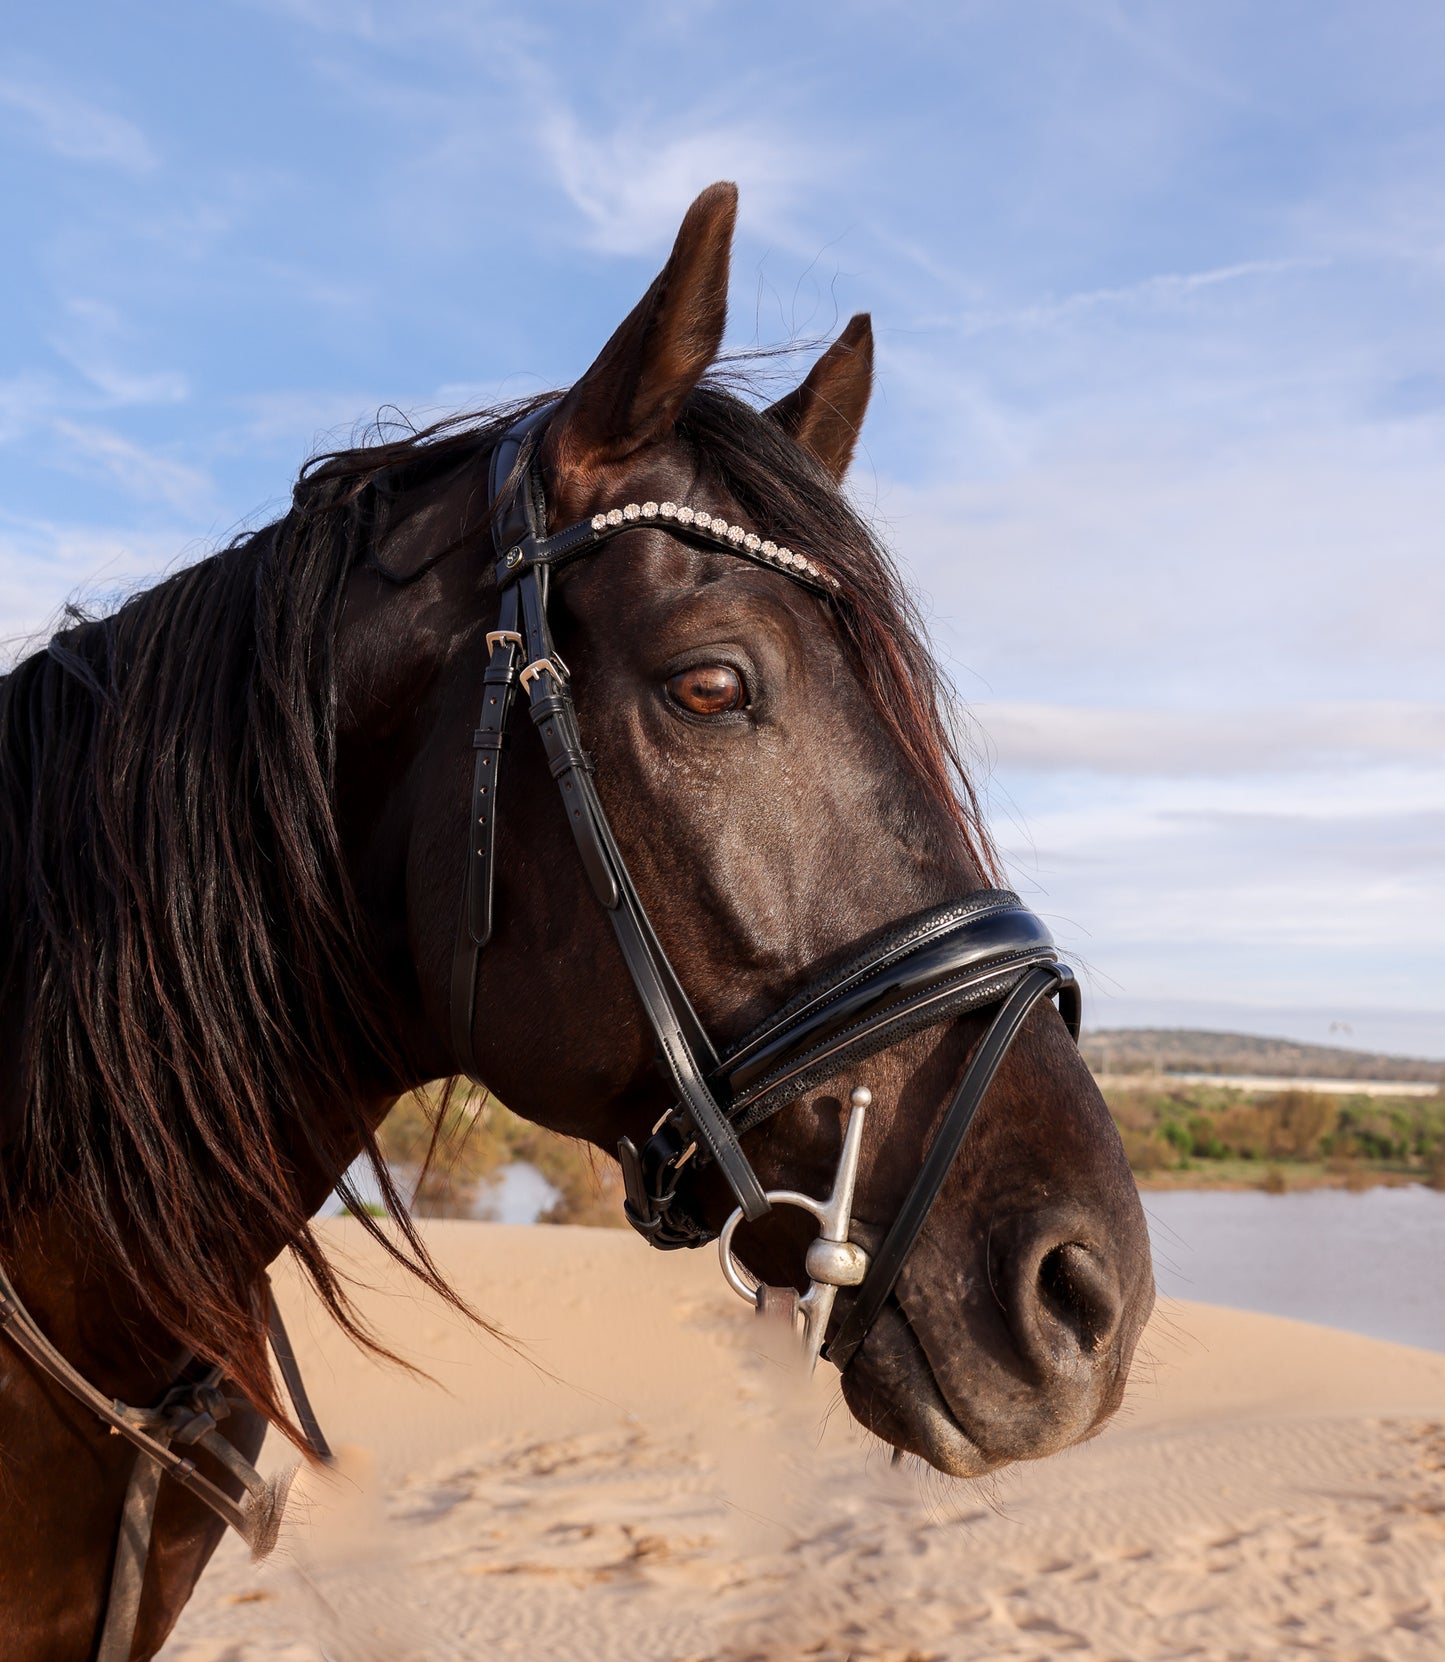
[{"x": 653, "y": 1486}]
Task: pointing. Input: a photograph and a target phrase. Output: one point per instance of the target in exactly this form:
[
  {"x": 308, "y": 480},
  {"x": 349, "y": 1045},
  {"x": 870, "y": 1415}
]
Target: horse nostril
[
  {"x": 1080, "y": 1294},
  {"x": 1063, "y": 1302}
]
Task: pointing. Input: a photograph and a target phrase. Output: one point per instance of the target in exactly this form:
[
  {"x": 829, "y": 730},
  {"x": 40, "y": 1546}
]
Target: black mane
[{"x": 183, "y": 968}]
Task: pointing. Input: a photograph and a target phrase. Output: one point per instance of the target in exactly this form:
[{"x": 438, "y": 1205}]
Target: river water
[{"x": 1373, "y": 1263}]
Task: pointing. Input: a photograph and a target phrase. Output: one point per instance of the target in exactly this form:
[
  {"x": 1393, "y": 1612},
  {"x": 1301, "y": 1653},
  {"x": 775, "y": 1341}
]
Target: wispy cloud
[
  {"x": 25, "y": 401},
  {"x": 1196, "y": 743},
  {"x": 74, "y": 127},
  {"x": 94, "y": 340},
  {"x": 43, "y": 563},
  {"x": 1262, "y": 568},
  {"x": 1160, "y": 408},
  {"x": 632, "y": 180},
  {"x": 1155, "y": 47},
  {"x": 140, "y": 472},
  {"x": 1161, "y": 290},
  {"x": 1331, "y": 881}
]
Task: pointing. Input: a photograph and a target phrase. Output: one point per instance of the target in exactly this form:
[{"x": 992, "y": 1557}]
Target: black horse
[{"x": 233, "y": 844}]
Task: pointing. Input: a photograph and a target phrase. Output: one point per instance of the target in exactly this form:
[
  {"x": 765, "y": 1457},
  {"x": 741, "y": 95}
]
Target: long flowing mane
[{"x": 199, "y": 1018}]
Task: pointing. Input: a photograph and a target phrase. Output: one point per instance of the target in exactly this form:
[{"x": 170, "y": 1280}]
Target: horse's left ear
[
  {"x": 632, "y": 395},
  {"x": 826, "y": 413}
]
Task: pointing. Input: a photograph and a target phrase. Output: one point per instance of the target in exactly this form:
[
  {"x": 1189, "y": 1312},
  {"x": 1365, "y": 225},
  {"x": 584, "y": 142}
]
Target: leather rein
[
  {"x": 985, "y": 950},
  {"x": 187, "y": 1416}
]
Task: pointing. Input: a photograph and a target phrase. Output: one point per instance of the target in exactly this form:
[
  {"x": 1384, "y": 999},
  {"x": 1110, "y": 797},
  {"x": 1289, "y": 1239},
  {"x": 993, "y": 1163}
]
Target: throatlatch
[{"x": 984, "y": 950}]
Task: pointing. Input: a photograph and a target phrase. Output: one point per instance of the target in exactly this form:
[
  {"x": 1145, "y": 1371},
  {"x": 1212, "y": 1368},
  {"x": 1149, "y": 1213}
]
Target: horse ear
[
  {"x": 632, "y": 396},
  {"x": 826, "y": 413}
]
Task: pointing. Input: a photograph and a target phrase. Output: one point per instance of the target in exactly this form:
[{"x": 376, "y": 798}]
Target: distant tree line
[
  {"x": 1123, "y": 1050},
  {"x": 1196, "y": 1127}
]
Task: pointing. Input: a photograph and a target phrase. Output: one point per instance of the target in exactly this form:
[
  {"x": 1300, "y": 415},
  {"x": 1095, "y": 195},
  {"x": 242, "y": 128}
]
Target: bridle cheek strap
[{"x": 524, "y": 561}]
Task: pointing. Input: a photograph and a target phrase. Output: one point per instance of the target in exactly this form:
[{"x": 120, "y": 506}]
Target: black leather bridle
[{"x": 986, "y": 949}]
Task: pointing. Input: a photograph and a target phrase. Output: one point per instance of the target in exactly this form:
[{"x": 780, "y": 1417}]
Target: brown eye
[{"x": 708, "y": 690}]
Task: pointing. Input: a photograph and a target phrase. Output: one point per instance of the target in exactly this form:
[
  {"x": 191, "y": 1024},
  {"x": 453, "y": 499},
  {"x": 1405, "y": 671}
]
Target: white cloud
[
  {"x": 71, "y": 126},
  {"x": 631, "y": 182},
  {"x": 25, "y": 401},
  {"x": 1161, "y": 401},
  {"x": 140, "y": 472},
  {"x": 1252, "y": 740},
  {"x": 1322, "y": 886},
  {"x": 93, "y": 339},
  {"x": 43, "y": 563},
  {"x": 1271, "y": 572},
  {"x": 1164, "y": 290}
]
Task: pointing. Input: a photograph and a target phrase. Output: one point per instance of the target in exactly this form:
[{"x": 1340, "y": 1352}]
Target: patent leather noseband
[{"x": 983, "y": 951}]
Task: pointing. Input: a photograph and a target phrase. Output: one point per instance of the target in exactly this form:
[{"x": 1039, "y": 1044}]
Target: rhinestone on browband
[{"x": 716, "y": 527}]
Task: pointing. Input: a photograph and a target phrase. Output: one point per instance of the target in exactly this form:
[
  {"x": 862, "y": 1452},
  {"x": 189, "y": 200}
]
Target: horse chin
[
  {"x": 891, "y": 1389},
  {"x": 895, "y": 1389}
]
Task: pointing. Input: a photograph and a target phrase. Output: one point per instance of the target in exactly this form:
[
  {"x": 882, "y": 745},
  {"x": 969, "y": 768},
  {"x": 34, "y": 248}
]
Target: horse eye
[{"x": 708, "y": 690}]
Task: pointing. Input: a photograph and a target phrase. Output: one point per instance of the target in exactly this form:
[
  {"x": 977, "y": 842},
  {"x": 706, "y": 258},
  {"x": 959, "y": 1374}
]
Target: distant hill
[{"x": 1193, "y": 1050}]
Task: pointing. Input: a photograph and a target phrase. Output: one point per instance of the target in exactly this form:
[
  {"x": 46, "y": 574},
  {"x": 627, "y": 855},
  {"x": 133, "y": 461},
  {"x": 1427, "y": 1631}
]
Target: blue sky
[{"x": 1160, "y": 301}]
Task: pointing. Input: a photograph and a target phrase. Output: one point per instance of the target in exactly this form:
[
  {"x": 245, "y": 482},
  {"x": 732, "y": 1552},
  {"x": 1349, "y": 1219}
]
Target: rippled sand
[{"x": 652, "y": 1486}]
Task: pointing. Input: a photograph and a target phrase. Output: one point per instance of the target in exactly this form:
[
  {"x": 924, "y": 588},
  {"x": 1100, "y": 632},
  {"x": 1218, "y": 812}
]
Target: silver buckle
[
  {"x": 536, "y": 668},
  {"x": 833, "y": 1261}
]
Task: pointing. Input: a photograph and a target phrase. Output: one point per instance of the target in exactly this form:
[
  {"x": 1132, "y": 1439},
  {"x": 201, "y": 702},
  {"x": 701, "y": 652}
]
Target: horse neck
[{"x": 96, "y": 1311}]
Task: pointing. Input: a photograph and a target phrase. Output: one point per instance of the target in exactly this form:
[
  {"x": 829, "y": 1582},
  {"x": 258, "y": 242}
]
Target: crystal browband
[{"x": 717, "y": 529}]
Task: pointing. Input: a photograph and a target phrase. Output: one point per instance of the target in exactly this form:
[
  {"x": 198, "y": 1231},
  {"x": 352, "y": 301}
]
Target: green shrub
[
  {"x": 1145, "y": 1153},
  {"x": 1245, "y": 1130},
  {"x": 1298, "y": 1122},
  {"x": 1178, "y": 1138},
  {"x": 1203, "y": 1140},
  {"x": 456, "y": 1141}
]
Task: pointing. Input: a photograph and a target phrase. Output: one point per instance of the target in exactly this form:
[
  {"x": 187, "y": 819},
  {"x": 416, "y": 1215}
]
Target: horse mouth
[{"x": 891, "y": 1388}]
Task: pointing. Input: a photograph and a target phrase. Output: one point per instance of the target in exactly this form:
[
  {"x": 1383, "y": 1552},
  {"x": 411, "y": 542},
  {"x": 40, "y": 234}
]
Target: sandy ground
[{"x": 652, "y": 1486}]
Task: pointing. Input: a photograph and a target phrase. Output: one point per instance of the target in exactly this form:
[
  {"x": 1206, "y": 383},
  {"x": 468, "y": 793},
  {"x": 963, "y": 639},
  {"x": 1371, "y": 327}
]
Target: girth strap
[
  {"x": 130, "y": 1423},
  {"x": 285, "y": 1355}
]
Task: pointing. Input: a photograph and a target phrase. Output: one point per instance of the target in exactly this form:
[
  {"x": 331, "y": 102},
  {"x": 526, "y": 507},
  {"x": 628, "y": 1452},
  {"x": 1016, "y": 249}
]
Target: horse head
[{"x": 766, "y": 755}]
